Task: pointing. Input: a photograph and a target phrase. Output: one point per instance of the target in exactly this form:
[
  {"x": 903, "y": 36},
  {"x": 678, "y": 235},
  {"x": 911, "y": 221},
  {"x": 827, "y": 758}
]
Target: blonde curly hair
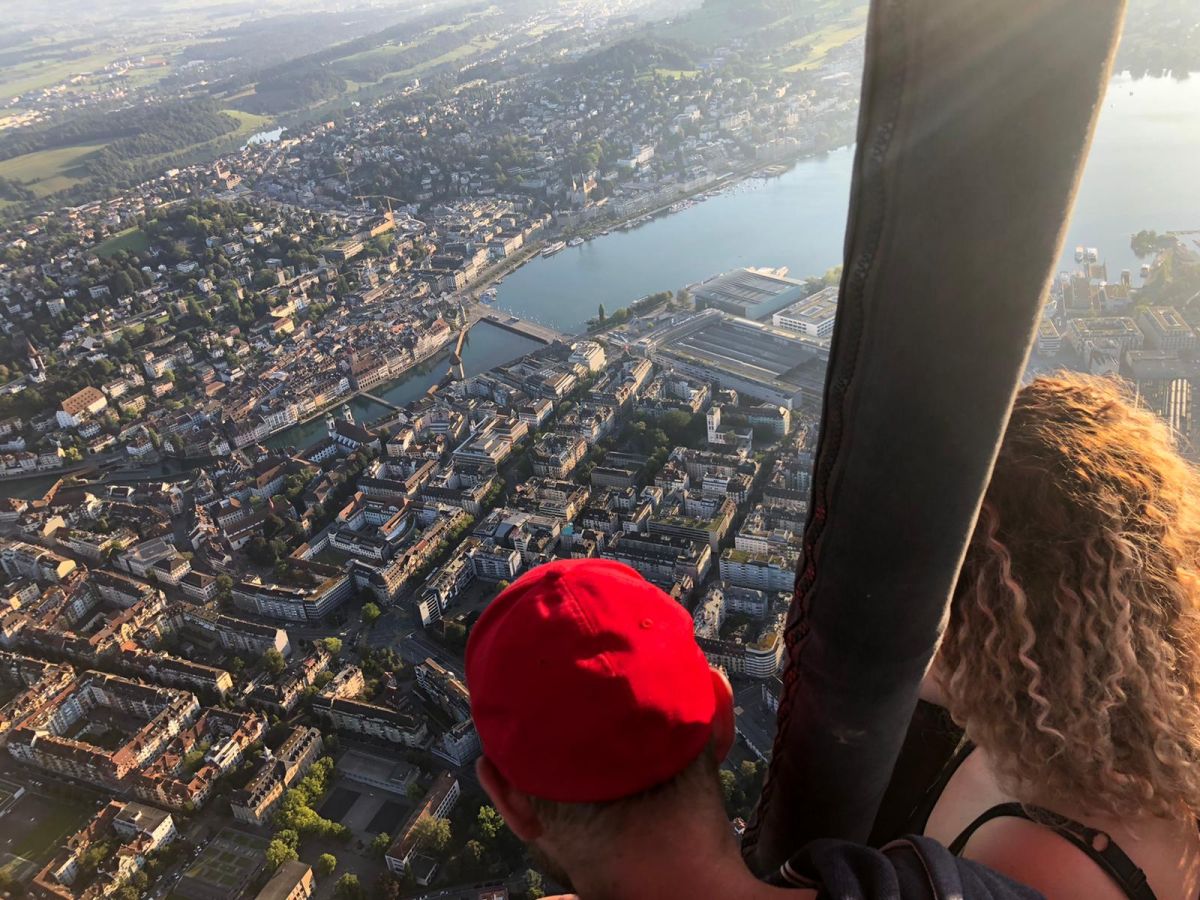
[{"x": 1072, "y": 651}]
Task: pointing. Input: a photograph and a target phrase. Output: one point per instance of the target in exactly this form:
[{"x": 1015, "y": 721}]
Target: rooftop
[{"x": 748, "y": 292}]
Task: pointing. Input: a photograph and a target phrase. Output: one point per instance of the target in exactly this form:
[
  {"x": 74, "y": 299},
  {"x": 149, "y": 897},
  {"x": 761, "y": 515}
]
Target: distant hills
[{"x": 771, "y": 22}]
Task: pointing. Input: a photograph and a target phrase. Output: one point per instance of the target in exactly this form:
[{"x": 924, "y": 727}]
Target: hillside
[
  {"x": 799, "y": 30},
  {"x": 1161, "y": 36}
]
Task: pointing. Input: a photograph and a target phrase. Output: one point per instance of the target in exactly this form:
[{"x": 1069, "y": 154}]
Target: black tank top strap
[
  {"x": 1096, "y": 845},
  {"x": 920, "y": 816}
]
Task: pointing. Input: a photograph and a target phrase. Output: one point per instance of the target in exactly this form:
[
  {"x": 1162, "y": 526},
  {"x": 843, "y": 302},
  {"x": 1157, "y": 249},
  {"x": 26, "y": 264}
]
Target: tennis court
[{"x": 227, "y": 864}]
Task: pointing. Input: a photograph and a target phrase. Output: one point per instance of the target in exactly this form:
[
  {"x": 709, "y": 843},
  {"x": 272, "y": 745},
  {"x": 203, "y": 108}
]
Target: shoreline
[
  {"x": 532, "y": 251},
  {"x": 528, "y": 253}
]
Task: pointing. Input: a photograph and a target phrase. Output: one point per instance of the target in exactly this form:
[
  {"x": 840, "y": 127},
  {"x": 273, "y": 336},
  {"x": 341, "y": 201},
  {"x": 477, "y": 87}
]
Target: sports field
[
  {"x": 228, "y": 863},
  {"x": 32, "y": 827}
]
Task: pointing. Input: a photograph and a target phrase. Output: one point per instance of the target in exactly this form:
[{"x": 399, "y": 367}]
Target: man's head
[{"x": 595, "y": 707}]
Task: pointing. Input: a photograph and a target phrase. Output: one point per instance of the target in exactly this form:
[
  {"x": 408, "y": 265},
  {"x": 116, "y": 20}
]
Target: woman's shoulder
[{"x": 1036, "y": 855}]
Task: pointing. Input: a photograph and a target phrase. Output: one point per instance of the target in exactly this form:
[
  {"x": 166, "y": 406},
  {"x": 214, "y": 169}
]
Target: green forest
[{"x": 130, "y": 134}]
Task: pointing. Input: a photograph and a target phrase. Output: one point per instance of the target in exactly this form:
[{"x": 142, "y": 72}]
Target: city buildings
[
  {"x": 317, "y": 591},
  {"x": 126, "y": 832},
  {"x": 1168, "y": 384},
  {"x": 293, "y": 880},
  {"x": 255, "y": 803},
  {"x": 437, "y": 803},
  {"x": 813, "y": 316},
  {"x": 261, "y": 309}
]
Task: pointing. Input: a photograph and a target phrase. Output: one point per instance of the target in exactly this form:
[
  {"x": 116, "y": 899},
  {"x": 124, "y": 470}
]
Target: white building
[
  {"x": 813, "y": 316},
  {"x": 762, "y": 573},
  {"x": 588, "y": 354}
]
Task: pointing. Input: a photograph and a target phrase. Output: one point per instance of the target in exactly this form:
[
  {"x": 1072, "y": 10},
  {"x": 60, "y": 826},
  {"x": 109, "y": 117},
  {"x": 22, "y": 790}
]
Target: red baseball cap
[{"x": 587, "y": 684}]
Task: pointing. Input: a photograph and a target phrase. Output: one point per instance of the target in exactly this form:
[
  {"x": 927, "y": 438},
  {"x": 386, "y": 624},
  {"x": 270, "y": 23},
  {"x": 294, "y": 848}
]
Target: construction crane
[
  {"x": 391, "y": 216},
  {"x": 345, "y": 173},
  {"x": 386, "y": 197}
]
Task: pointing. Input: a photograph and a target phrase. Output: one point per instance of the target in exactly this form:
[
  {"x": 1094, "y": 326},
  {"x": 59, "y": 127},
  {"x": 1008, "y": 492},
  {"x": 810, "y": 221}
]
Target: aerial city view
[{"x": 323, "y": 321}]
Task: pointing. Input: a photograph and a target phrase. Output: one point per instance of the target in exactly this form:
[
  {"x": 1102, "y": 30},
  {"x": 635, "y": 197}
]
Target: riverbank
[
  {"x": 757, "y": 169},
  {"x": 532, "y": 251},
  {"x": 486, "y": 347},
  {"x": 354, "y": 395}
]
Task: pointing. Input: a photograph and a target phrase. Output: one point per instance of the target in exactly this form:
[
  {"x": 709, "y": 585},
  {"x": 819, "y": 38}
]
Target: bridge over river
[{"x": 534, "y": 330}]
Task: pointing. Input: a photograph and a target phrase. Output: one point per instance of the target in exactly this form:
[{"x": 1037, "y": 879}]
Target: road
[{"x": 406, "y": 637}]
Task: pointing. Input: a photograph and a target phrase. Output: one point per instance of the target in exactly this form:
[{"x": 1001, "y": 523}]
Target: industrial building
[
  {"x": 760, "y": 361},
  {"x": 749, "y": 293}
]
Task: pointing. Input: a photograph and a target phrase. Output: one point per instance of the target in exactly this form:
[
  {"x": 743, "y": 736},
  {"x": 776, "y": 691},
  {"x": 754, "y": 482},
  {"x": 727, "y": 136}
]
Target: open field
[
  {"x": 471, "y": 48},
  {"x": 393, "y": 49},
  {"x": 823, "y": 42},
  {"x": 53, "y": 63},
  {"x": 719, "y": 21},
  {"x": 45, "y": 72},
  {"x": 248, "y": 124},
  {"x": 48, "y": 171},
  {"x": 131, "y": 240}
]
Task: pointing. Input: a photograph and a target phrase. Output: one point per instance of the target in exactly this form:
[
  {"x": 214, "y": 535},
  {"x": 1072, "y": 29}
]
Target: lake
[{"x": 1141, "y": 174}]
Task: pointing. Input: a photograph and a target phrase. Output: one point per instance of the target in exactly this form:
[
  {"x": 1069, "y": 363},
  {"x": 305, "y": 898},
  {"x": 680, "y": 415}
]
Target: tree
[
  {"x": 1147, "y": 243},
  {"x": 602, "y": 315},
  {"x": 348, "y": 888},
  {"x": 289, "y": 837},
  {"x": 370, "y": 612},
  {"x": 489, "y": 822},
  {"x": 456, "y": 634},
  {"x": 728, "y": 785},
  {"x": 380, "y": 845},
  {"x": 432, "y": 833},
  {"x": 273, "y": 661},
  {"x": 474, "y": 854},
  {"x": 389, "y": 887},
  {"x": 533, "y": 885},
  {"x": 10, "y": 885},
  {"x": 332, "y": 644},
  {"x": 326, "y": 864},
  {"x": 278, "y": 853}
]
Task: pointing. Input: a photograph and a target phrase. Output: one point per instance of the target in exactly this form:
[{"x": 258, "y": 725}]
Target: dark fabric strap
[
  {"x": 1096, "y": 845},
  {"x": 912, "y": 868},
  {"x": 957, "y": 220}
]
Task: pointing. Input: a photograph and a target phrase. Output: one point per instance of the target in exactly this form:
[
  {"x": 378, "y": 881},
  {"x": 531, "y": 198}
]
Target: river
[
  {"x": 1141, "y": 174},
  {"x": 485, "y": 348}
]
